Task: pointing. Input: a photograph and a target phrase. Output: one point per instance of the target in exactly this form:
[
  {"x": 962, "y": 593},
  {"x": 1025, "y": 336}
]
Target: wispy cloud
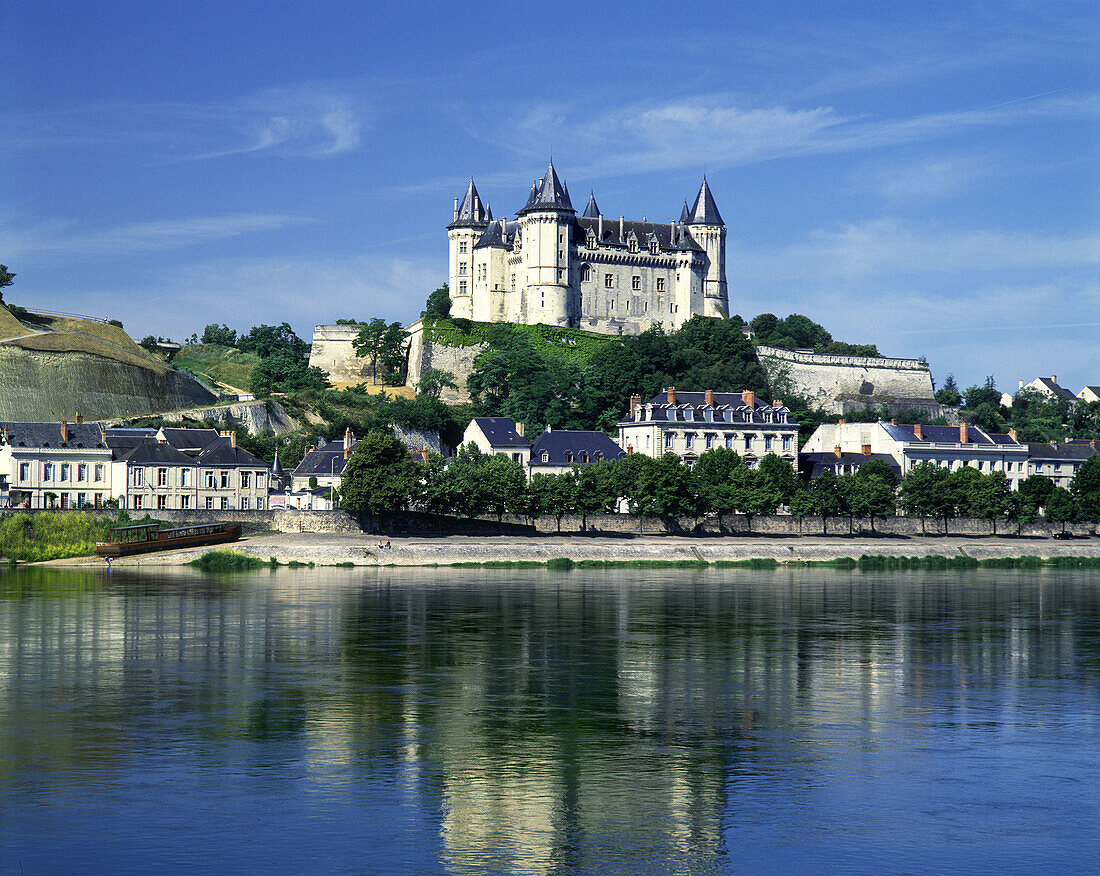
[
  {"x": 303, "y": 121},
  {"x": 722, "y": 132},
  {"x": 59, "y": 240}
]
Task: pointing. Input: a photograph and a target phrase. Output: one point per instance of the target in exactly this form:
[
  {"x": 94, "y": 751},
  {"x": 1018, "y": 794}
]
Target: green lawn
[{"x": 217, "y": 364}]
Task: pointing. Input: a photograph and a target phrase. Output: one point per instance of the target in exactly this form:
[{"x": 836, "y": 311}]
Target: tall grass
[
  {"x": 227, "y": 561},
  {"x": 48, "y": 535}
]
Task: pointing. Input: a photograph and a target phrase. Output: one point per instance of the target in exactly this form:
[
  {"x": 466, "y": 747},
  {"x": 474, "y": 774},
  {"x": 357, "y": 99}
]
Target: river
[{"x": 533, "y": 721}]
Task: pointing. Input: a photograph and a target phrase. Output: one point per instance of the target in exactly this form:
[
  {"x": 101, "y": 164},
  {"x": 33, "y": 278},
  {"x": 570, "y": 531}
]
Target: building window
[
  {"x": 244, "y": 503},
  {"x": 139, "y": 502},
  {"x": 669, "y": 438},
  {"x": 786, "y": 442},
  {"x": 99, "y": 471},
  {"x": 608, "y": 281},
  {"x": 82, "y": 471},
  {"x": 636, "y": 283},
  {"x": 225, "y": 503},
  {"x": 586, "y": 273},
  {"x": 24, "y": 471},
  {"x": 512, "y": 282},
  {"x": 225, "y": 479},
  {"x": 461, "y": 287},
  {"x": 139, "y": 477},
  {"x": 569, "y": 456},
  {"x": 584, "y": 456},
  {"x": 185, "y": 501},
  {"x": 729, "y": 442},
  {"x": 767, "y": 443},
  {"x": 517, "y": 457},
  {"x": 211, "y": 482},
  {"x": 748, "y": 442},
  {"x": 162, "y": 477},
  {"x": 162, "y": 502},
  {"x": 689, "y": 440},
  {"x": 259, "y": 480},
  {"x": 545, "y": 456},
  {"x": 653, "y": 247},
  {"x": 462, "y": 246},
  {"x": 209, "y": 503},
  {"x": 185, "y": 477},
  {"x": 462, "y": 268},
  {"x": 591, "y": 240},
  {"x": 660, "y": 284},
  {"x": 632, "y": 244},
  {"x": 65, "y": 472},
  {"x": 246, "y": 480},
  {"x": 81, "y": 499},
  {"x": 259, "y": 504},
  {"x": 710, "y": 440}
]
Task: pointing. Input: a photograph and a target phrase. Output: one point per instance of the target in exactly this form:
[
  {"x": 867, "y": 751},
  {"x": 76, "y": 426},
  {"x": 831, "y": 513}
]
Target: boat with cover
[{"x": 140, "y": 538}]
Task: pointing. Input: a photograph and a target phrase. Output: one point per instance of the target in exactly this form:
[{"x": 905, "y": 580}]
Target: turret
[
  {"x": 470, "y": 219},
  {"x": 709, "y": 231},
  {"x": 547, "y": 220}
]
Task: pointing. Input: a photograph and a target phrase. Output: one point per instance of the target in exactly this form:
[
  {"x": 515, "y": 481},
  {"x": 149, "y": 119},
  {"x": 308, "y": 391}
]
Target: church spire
[
  {"x": 705, "y": 211},
  {"x": 591, "y": 211}
]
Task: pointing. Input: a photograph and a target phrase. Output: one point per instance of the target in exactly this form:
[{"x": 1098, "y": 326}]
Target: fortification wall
[
  {"x": 458, "y": 360},
  {"x": 333, "y": 352},
  {"x": 37, "y": 385},
  {"x": 839, "y": 384}
]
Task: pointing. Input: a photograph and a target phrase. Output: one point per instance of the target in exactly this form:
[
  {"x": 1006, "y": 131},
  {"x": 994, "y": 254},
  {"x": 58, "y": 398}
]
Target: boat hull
[{"x": 211, "y": 535}]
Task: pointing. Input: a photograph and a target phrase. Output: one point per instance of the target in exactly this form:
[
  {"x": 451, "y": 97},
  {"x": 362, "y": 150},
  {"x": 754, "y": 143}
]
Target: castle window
[
  {"x": 561, "y": 238},
  {"x": 767, "y": 443},
  {"x": 461, "y": 287},
  {"x": 591, "y": 240},
  {"x": 512, "y": 281},
  {"x": 608, "y": 281},
  {"x": 689, "y": 440},
  {"x": 729, "y": 441},
  {"x": 660, "y": 284},
  {"x": 561, "y": 275},
  {"x": 462, "y": 267},
  {"x": 653, "y": 247},
  {"x": 748, "y": 442},
  {"x": 635, "y": 282},
  {"x": 586, "y": 273},
  {"x": 462, "y": 246},
  {"x": 632, "y": 244},
  {"x": 645, "y": 307}
]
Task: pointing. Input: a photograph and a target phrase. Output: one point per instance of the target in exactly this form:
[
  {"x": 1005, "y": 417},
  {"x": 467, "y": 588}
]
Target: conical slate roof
[
  {"x": 471, "y": 213},
  {"x": 705, "y": 211},
  {"x": 551, "y": 194},
  {"x": 591, "y": 211},
  {"x": 685, "y": 214}
]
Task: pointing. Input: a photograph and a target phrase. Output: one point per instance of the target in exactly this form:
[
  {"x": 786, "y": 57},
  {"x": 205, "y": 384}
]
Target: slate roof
[
  {"x": 1095, "y": 390},
  {"x": 471, "y": 213},
  {"x": 49, "y": 435},
  {"x": 189, "y": 439},
  {"x": 328, "y": 459},
  {"x": 277, "y": 467},
  {"x": 122, "y": 439},
  {"x": 591, "y": 211},
  {"x": 817, "y": 463},
  {"x": 221, "y": 453},
  {"x": 685, "y": 214},
  {"x": 1001, "y": 438},
  {"x": 558, "y": 444},
  {"x": 729, "y": 407},
  {"x": 550, "y": 194},
  {"x": 705, "y": 211},
  {"x": 1071, "y": 452},
  {"x": 668, "y": 238},
  {"x": 501, "y": 432},
  {"x": 936, "y": 434},
  {"x": 153, "y": 452},
  {"x": 1054, "y": 388}
]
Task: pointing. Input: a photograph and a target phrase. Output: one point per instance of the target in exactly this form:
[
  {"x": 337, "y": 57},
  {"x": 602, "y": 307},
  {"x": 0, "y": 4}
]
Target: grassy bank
[{"x": 31, "y": 538}]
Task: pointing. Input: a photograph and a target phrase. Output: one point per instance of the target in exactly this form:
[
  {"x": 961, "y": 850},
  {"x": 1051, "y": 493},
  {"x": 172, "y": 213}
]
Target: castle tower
[
  {"x": 546, "y": 221},
  {"x": 470, "y": 220},
  {"x": 709, "y": 231}
]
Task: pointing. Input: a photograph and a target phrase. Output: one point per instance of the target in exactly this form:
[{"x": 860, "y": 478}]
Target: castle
[{"x": 590, "y": 272}]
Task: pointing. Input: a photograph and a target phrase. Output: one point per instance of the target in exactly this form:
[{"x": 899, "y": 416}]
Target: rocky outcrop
[
  {"x": 46, "y": 386},
  {"x": 431, "y": 354},
  {"x": 255, "y": 416}
]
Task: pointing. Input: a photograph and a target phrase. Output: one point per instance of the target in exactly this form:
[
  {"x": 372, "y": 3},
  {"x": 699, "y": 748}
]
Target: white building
[
  {"x": 1059, "y": 462},
  {"x": 56, "y": 465},
  {"x": 550, "y": 266},
  {"x": 690, "y": 423},
  {"x": 500, "y": 436},
  {"x": 950, "y": 447}
]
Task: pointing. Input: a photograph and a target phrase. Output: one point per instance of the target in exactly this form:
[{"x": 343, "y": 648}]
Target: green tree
[
  {"x": 824, "y": 493},
  {"x": 876, "y": 486},
  {"x": 368, "y": 343},
  {"x": 1062, "y": 508},
  {"x": 433, "y": 381},
  {"x": 556, "y": 494},
  {"x": 993, "y": 498},
  {"x": 380, "y": 476},
  {"x": 802, "y": 505},
  {"x": 985, "y": 394},
  {"x": 438, "y": 304},
  {"x": 392, "y": 353},
  {"x": 1021, "y": 510},
  {"x": 949, "y": 393},
  {"x": 284, "y": 372},
  {"x": 6, "y": 279},
  {"x": 666, "y": 489},
  {"x": 267, "y": 340},
  {"x": 222, "y": 335},
  {"x": 780, "y": 475},
  {"x": 1036, "y": 489},
  {"x": 597, "y": 489},
  {"x": 754, "y": 494},
  {"x": 713, "y": 472},
  {"x": 1086, "y": 489},
  {"x": 923, "y": 489}
]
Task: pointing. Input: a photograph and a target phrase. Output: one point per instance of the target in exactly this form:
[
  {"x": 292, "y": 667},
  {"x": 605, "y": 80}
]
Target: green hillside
[
  {"x": 567, "y": 344},
  {"x": 221, "y": 366}
]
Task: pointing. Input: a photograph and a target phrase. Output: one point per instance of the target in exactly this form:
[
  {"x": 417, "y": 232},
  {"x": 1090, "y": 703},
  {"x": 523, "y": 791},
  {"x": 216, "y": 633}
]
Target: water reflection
[{"x": 544, "y": 722}]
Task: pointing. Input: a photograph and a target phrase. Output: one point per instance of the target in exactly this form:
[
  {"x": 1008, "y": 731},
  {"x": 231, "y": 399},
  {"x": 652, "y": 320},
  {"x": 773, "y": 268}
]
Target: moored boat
[{"x": 140, "y": 538}]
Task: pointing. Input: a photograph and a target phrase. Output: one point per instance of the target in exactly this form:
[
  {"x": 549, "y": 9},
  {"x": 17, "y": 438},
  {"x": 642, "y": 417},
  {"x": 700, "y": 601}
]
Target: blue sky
[{"x": 918, "y": 175}]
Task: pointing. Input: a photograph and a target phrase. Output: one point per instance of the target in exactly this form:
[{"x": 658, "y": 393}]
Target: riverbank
[{"x": 332, "y": 549}]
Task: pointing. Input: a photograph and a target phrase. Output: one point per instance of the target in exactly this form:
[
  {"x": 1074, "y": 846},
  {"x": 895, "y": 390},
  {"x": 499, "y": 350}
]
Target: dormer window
[
  {"x": 653, "y": 247},
  {"x": 584, "y": 456},
  {"x": 632, "y": 244},
  {"x": 569, "y": 456},
  {"x": 591, "y": 242},
  {"x": 545, "y": 456}
]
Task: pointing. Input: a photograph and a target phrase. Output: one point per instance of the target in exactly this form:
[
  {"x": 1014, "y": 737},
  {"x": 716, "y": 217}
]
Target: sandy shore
[{"x": 363, "y": 550}]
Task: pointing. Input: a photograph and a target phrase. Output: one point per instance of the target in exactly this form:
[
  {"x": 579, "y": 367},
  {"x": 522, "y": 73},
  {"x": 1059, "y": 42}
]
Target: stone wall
[
  {"x": 332, "y": 351},
  {"x": 40, "y": 386},
  {"x": 256, "y": 416},
  {"x": 458, "y": 360},
  {"x": 839, "y": 384}
]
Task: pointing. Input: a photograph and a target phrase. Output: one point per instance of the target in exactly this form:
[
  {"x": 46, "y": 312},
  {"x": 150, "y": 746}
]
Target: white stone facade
[{"x": 591, "y": 272}]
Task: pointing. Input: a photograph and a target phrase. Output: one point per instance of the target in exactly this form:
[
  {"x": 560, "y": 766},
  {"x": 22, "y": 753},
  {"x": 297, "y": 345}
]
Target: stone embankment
[{"x": 329, "y": 549}]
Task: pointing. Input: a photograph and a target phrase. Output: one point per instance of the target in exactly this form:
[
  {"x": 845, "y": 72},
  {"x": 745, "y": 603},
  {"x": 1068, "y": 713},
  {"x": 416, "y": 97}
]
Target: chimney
[
  {"x": 7, "y": 435},
  {"x": 233, "y": 439},
  {"x": 621, "y": 229},
  {"x": 749, "y": 398},
  {"x": 64, "y": 432},
  {"x": 778, "y": 403},
  {"x": 629, "y": 449},
  {"x": 635, "y": 403},
  {"x": 709, "y": 397},
  {"x": 599, "y": 238},
  {"x": 841, "y": 422},
  {"x": 964, "y": 433},
  {"x": 918, "y": 431},
  {"x": 894, "y": 421},
  {"x": 671, "y": 395},
  {"x": 1054, "y": 378},
  {"x": 519, "y": 429},
  {"x": 79, "y": 417},
  {"x": 837, "y": 451},
  {"x": 456, "y": 209},
  {"x": 1021, "y": 384},
  {"x": 866, "y": 449},
  {"x": 347, "y": 442},
  {"x": 1012, "y": 434}
]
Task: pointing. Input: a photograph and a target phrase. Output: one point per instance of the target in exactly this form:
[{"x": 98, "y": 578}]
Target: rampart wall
[
  {"x": 839, "y": 384},
  {"x": 458, "y": 360}
]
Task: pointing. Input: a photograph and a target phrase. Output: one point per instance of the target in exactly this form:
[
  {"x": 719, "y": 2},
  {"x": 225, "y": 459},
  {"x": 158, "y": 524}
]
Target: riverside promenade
[{"x": 327, "y": 549}]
